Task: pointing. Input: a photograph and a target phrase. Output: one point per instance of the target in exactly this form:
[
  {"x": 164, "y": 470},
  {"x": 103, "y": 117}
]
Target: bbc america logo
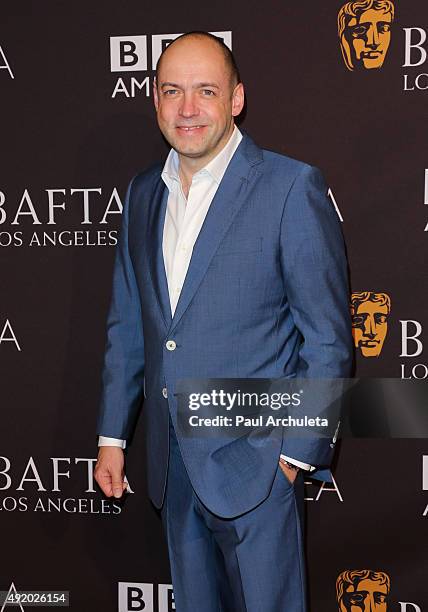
[
  {"x": 140, "y": 53},
  {"x": 135, "y": 596}
]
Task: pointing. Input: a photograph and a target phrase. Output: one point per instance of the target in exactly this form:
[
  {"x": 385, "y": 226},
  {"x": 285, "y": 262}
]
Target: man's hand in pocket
[{"x": 289, "y": 472}]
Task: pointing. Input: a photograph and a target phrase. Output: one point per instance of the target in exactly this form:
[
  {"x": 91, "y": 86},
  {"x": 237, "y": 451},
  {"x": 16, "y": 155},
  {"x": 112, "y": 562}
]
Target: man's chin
[
  {"x": 200, "y": 147},
  {"x": 193, "y": 152},
  {"x": 195, "y": 148},
  {"x": 370, "y": 351},
  {"x": 370, "y": 63}
]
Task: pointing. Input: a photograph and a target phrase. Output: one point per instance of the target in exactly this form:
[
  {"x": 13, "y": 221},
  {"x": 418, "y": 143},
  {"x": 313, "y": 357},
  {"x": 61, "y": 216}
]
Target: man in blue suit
[{"x": 231, "y": 264}]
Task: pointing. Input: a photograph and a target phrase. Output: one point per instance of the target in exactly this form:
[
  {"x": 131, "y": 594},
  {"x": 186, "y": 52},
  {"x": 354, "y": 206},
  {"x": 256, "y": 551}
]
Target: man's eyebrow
[
  {"x": 206, "y": 85},
  {"x": 195, "y": 86}
]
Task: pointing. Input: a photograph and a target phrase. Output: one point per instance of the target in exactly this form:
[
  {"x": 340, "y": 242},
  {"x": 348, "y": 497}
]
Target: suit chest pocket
[{"x": 240, "y": 261}]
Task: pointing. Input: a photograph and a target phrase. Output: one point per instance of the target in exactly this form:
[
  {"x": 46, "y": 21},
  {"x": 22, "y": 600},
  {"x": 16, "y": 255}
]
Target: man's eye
[
  {"x": 380, "y": 598},
  {"x": 169, "y": 92},
  {"x": 357, "y": 598},
  {"x": 359, "y": 31},
  {"x": 208, "y": 92},
  {"x": 380, "y": 318},
  {"x": 357, "y": 320}
]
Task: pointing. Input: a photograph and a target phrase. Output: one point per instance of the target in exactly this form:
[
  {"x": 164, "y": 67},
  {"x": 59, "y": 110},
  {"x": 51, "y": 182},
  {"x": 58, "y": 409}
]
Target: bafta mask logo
[
  {"x": 369, "y": 312},
  {"x": 364, "y": 29},
  {"x": 362, "y": 591}
]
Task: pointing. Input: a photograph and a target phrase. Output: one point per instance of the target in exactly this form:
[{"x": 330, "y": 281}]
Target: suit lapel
[
  {"x": 231, "y": 194},
  {"x": 158, "y": 205}
]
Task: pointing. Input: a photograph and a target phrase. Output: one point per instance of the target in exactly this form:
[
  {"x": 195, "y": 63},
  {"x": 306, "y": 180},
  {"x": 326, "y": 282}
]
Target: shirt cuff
[
  {"x": 300, "y": 464},
  {"x": 104, "y": 441}
]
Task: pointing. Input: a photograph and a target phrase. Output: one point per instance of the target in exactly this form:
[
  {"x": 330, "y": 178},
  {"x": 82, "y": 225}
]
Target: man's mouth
[
  {"x": 371, "y": 54},
  {"x": 190, "y": 128},
  {"x": 369, "y": 343}
]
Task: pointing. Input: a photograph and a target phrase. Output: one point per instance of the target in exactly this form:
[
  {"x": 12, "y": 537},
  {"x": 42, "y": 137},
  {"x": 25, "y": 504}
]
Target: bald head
[
  {"x": 203, "y": 40},
  {"x": 197, "y": 98}
]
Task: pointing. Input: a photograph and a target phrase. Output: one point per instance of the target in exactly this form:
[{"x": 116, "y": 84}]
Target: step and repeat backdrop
[{"x": 343, "y": 86}]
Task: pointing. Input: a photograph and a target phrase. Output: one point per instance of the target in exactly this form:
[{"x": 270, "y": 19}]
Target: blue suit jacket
[{"x": 265, "y": 296}]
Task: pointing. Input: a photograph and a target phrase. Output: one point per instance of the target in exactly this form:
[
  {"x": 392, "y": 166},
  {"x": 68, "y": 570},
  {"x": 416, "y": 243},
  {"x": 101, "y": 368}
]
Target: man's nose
[
  {"x": 188, "y": 106},
  {"x": 373, "y": 37},
  {"x": 371, "y": 604},
  {"x": 369, "y": 327}
]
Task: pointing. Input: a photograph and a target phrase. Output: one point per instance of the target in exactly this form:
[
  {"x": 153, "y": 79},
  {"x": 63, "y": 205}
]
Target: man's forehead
[
  {"x": 192, "y": 53},
  {"x": 367, "y": 585},
  {"x": 182, "y": 69},
  {"x": 369, "y": 306},
  {"x": 370, "y": 16},
  {"x": 371, "y": 586}
]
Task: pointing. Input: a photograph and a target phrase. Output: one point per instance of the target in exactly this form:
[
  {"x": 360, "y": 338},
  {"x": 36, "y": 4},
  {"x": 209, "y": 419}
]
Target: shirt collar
[{"x": 215, "y": 168}]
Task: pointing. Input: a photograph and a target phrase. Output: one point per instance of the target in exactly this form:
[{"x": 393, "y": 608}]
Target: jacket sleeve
[
  {"x": 123, "y": 372},
  {"x": 314, "y": 266}
]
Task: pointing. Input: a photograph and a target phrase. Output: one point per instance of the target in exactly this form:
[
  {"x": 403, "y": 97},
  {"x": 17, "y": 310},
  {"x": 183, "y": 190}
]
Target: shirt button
[
  {"x": 171, "y": 345},
  {"x": 165, "y": 392}
]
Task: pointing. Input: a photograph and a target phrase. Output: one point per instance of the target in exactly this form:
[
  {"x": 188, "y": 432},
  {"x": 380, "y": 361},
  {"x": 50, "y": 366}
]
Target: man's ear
[
  {"x": 238, "y": 98},
  {"x": 155, "y": 94}
]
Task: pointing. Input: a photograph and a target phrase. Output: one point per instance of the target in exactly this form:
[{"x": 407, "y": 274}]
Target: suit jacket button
[
  {"x": 171, "y": 345},
  {"x": 165, "y": 392}
]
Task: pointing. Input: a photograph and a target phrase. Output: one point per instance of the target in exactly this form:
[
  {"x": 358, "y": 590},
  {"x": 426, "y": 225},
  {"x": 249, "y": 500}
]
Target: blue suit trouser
[{"x": 251, "y": 563}]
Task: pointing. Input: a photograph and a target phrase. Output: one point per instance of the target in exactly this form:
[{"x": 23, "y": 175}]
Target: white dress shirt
[{"x": 183, "y": 222}]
